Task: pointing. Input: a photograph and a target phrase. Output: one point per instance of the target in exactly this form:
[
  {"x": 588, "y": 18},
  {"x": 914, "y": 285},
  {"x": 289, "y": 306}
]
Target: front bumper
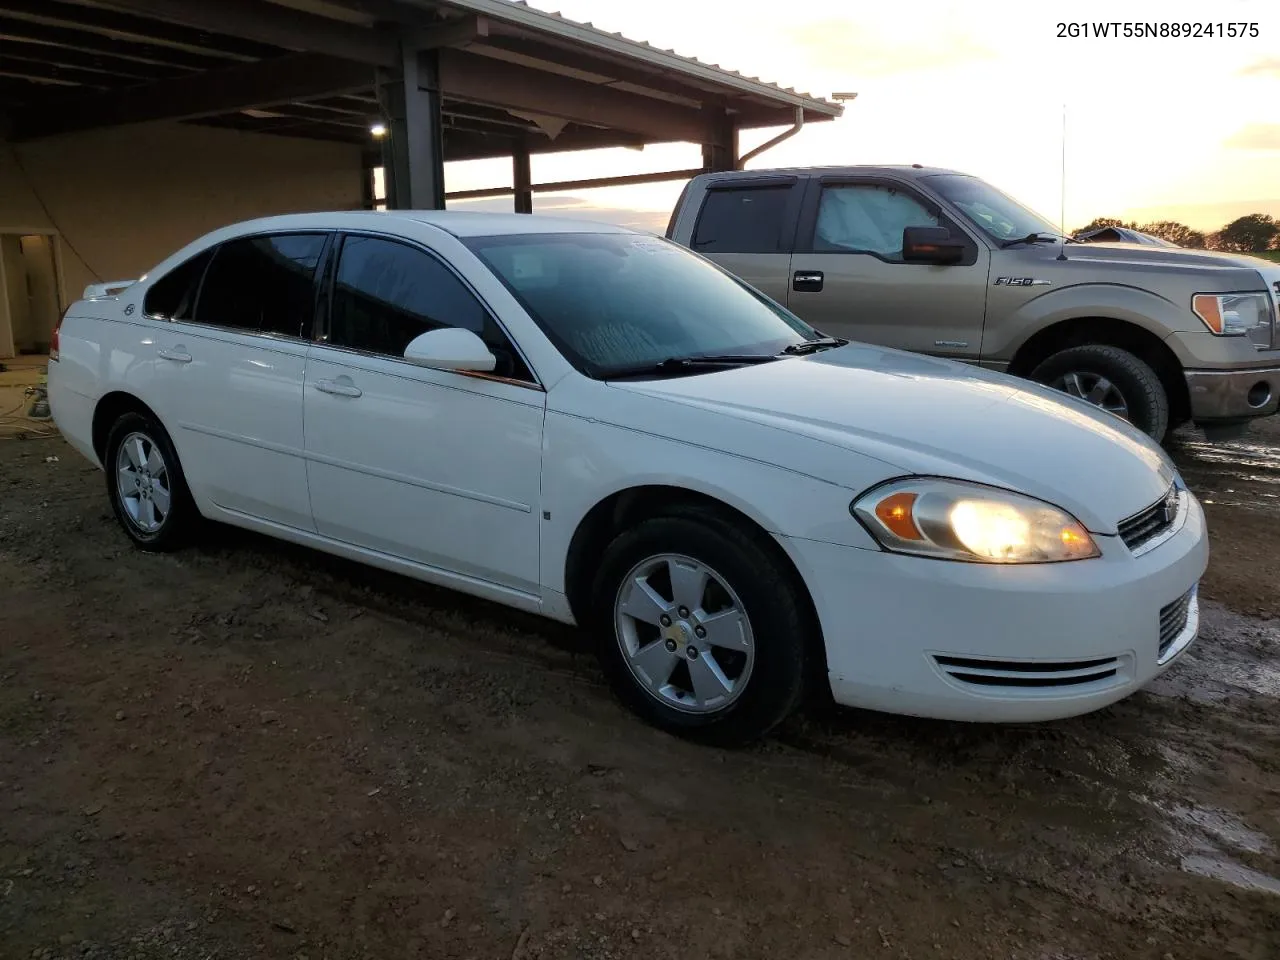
[
  {"x": 981, "y": 642},
  {"x": 1233, "y": 395}
]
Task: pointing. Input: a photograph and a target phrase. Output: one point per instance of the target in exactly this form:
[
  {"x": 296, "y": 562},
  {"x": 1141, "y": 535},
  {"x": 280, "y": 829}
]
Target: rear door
[
  {"x": 848, "y": 277},
  {"x": 229, "y": 368},
  {"x": 747, "y": 225}
]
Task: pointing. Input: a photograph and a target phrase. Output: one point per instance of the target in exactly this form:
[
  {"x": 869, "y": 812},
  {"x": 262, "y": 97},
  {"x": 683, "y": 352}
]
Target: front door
[
  {"x": 848, "y": 277},
  {"x": 438, "y": 467},
  {"x": 229, "y": 371}
]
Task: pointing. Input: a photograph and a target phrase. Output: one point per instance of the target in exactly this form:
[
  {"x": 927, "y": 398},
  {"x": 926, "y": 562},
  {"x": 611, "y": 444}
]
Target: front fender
[
  {"x": 1112, "y": 301},
  {"x": 587, "y": 461}
]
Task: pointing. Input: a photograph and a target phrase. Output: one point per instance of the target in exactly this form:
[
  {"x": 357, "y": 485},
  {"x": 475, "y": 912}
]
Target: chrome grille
[
  {"x": 1173, "y": 620},
  {"x": 1027, "y": 673},
  {"x": 1150, "y": 523}
]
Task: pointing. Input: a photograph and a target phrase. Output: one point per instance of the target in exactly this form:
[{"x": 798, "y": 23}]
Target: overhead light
[{"x": 378, "y": 131}]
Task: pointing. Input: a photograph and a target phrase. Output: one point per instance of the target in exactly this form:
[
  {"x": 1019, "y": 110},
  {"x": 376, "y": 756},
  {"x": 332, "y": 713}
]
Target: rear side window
[
  {"x": 173, "y": 296},
  {"x": 743, "y": 220},
  {"x": 262, "y": 284}
]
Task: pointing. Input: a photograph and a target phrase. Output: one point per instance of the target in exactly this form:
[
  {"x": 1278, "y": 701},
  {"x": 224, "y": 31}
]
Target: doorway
[{"x": 28, "y": 293}]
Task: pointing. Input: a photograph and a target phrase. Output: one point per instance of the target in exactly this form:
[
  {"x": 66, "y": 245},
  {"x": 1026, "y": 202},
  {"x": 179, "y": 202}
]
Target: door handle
[
  {"x": 177, "y": 355},
  {"x": 337, "y": 388},
  {"x": 809, "y": 280}
]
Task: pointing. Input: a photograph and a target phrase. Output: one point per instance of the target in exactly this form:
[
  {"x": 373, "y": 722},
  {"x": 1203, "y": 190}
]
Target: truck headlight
[
  {"x": 1235, "y": 315},
  {"x": 956, "y": 520}
]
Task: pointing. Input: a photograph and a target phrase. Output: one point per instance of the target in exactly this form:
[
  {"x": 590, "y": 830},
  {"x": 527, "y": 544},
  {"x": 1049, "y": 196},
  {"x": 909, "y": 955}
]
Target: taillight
[{"x": 53, "y": 340}]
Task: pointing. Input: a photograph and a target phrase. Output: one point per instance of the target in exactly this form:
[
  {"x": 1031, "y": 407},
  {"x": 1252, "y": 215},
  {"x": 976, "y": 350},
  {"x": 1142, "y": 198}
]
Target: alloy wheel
[
  {"x": 142, "y": 483},
  {"x": 684, "y": 634}
]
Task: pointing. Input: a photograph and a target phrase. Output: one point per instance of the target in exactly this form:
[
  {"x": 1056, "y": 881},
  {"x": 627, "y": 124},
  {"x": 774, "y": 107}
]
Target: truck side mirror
[{"x": 931, "y": 245}]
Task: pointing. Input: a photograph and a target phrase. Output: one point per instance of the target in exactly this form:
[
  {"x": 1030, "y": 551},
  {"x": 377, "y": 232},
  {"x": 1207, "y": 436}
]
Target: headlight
[
  {"x": 955, "y": 520},
  {"x": 1236, "y": 315}
]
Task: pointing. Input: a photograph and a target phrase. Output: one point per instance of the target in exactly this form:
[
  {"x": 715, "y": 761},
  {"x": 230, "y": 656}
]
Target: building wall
[{"x": 124, "y": 198}]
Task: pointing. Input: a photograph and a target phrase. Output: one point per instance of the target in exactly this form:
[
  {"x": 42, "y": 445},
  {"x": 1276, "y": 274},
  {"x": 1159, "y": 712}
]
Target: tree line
[{"x": 1254, "y": 233}]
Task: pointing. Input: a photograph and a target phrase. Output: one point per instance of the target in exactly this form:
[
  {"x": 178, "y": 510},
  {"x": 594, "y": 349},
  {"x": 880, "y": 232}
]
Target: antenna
[{"x": 1062, "y": 192}]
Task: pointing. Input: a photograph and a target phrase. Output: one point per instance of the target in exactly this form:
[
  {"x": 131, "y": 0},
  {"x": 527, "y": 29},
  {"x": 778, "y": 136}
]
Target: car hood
[
  {"x": 1142, "y": 253},
  {"x": 925, "y": 416}
]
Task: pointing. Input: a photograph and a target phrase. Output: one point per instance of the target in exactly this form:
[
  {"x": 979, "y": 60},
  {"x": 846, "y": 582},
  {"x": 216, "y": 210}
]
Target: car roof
[
  {"x": 909, "y": 170},
  {"x": 457, "y": 222}
]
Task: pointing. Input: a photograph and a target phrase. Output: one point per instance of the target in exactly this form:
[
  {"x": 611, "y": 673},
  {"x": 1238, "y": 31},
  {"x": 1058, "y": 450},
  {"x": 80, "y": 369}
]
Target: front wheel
[
  {"x": 1113, "y": 379},
  {"x": 700, "y": 630}
]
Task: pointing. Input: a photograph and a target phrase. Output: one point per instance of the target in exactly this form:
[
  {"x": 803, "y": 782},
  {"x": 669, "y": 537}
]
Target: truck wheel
[
  {"x": 1113, "y": 379},
  {"x": 698, "y": 630}
]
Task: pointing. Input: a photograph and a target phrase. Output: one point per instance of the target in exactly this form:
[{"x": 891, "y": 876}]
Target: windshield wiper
[
  {"x": 813, "y": 346},
  {"x": 1038, "y": 238},
  {"x": 684, "y": 365}
]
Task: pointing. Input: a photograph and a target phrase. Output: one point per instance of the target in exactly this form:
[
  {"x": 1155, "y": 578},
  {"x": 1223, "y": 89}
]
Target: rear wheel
[
  {"x": 1113, "y": 379},
  {"x": 700, "y": 630},
  {"x": 145, "y": 483}
]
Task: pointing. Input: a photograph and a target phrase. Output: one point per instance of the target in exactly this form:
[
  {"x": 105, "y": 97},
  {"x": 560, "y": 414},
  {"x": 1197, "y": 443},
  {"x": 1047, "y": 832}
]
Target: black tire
[
  {"x": 774, "y": 607},
  {"x": 179, "y": 521},
  {"x": 1144, "y": 395}
]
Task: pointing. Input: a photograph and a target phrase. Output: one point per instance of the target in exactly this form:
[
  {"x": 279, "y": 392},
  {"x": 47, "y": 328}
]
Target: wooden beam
[
  {"x": 569, "y": 54},
  {"x": 18, "y": 51},
  {"x": 265, "y": 83},
  {"x": 592, "y": 184},
  {"x": 65, "y": 38},
  {"x": 62, "y": 76},
  {"x": 297, "y": 130},
  {"x": 478, "y": 79},
  {"x": 135, "y": 29},
  {"x": 268, "y": 23},
  {"x": 467, "y": 146}
]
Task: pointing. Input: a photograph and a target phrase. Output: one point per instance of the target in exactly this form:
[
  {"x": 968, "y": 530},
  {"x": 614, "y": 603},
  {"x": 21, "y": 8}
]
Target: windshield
[
  {"x": 995, "y": 214},
  {"x": 613, "y": 300}
]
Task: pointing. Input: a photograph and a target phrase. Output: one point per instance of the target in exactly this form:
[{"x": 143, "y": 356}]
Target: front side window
[
  {"x": 742, "y": 220},
  {"x": 386, "y": 293},
  {"x": 867, "y": 218},
  {"x": 262, "y": 284},
  {"x": 994, "y": 213},
  {"x": 609, "y": 300},
  {"x": 173, "y": 296}
]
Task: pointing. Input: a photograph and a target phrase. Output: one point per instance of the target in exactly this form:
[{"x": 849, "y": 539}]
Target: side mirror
[
  {"x": 931, "y": 245},
  {"x": 450, "y": 348}
]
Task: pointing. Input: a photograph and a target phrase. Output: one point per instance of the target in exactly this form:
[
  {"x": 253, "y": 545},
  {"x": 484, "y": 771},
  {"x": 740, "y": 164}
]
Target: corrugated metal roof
[{"x": 521, "y": 14}]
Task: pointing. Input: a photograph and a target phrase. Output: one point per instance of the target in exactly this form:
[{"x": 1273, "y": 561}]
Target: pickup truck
[{"x": 942, "y": 263}]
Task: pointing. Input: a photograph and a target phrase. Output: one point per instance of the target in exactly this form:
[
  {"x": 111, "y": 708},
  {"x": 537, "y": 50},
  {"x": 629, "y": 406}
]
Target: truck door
[
  {"x": 747, "y": 225},
  {"x": 848, "y": 277}
]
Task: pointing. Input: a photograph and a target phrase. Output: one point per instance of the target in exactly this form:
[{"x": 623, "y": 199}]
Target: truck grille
[
  {"x": 1173, "y": 620},
  {"x": 982, "y": 672},
  {"x": 1150, "y": 523}
]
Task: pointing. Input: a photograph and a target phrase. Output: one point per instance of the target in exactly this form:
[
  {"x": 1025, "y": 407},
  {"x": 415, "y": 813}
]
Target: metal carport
[{"x": 451, "y": 79}]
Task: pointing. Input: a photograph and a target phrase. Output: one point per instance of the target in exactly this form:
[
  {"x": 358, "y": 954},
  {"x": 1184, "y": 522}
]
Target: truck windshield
[
  {"x": 995, "y": 214},
  {"x": 611, "y": 301}
]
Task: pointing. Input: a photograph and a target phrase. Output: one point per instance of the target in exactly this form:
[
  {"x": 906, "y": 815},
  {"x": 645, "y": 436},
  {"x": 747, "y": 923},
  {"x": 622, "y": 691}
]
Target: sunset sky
[{"x": 1185, "y": 129}]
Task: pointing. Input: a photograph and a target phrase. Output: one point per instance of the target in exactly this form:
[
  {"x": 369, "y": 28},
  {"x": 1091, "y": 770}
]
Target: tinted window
[
  {"x": 742, "y": 221},
  {"x": 615, "y": 299},
  {"x": 262, "y": 284},
  {"x": 174, "y": 295},
  {"x": 867, "y": 218},
  {"x": 387, "y": 293}
]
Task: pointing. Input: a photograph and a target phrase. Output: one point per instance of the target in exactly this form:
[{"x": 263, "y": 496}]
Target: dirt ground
[{"x": 250, "y": 750}]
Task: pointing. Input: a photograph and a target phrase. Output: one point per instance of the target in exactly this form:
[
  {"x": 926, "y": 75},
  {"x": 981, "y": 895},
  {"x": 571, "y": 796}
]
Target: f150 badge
[{"x": 1020, "y": 282}]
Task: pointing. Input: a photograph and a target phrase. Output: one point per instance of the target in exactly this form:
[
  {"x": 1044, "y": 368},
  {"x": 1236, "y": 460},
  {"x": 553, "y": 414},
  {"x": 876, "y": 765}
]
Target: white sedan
[{"x": 604, "y": 428}]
